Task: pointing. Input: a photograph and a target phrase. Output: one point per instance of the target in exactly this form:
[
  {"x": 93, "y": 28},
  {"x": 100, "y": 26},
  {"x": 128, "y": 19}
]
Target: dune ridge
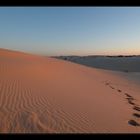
[{"x": 47, "y": 95}]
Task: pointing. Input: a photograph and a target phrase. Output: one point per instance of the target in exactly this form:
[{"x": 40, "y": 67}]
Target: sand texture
[{"x": 48, "y": 95}]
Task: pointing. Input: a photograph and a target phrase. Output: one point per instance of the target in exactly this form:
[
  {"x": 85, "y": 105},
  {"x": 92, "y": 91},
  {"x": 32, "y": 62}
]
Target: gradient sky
[{"x": 71, "y": 30}]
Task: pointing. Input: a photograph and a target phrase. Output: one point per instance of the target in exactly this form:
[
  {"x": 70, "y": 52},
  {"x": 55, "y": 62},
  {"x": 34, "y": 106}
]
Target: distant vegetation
[
  {"x": 74, "y": 56},
  {"x": 124, "y": 56}
]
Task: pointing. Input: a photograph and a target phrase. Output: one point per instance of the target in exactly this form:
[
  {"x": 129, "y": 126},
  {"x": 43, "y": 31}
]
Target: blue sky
[{"x": 71, "y": 30}]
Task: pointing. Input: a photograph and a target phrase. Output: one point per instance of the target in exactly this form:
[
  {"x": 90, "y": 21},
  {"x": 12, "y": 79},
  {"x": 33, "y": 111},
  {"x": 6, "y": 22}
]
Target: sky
[{"x": 71, "y": 30}]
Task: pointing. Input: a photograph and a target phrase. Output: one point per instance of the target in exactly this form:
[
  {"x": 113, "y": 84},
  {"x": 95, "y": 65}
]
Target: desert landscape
[
  {"x": 48, "y": 95},
  {"x": 69, "y": 70}
]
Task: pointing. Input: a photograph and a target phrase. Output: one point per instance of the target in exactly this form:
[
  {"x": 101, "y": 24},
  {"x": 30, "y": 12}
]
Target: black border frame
[{"x": 69, "y": 3}]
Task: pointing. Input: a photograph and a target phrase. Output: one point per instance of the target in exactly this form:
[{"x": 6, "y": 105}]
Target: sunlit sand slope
[{"x": 46, "y": 95}]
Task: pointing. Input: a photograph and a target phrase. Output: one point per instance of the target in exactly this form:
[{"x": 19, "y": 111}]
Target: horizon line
[{"x": 59, "y": 55}]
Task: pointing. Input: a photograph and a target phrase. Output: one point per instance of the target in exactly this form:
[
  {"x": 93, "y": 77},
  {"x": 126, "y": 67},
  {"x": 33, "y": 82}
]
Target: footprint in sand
[
  {"x": 119, "y": 90},
  {"x": 128, "y": 95},
  {"x": 136, "y": 115},
  {"x": 133, "y": 122},
  {"x": 106, "y": 83},
  {"x": 136, "y": 108},
  {"x": 111, "y": 87},
  {"x": 130, "y": 100}
]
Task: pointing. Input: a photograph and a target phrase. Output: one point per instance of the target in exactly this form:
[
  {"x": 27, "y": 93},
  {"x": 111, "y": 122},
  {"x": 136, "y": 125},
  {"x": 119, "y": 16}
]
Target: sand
[{"x": 47, "y": 95}]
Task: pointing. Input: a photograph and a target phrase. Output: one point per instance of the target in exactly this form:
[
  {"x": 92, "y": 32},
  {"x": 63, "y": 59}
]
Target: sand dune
[{"x": 47, "y": 95}]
